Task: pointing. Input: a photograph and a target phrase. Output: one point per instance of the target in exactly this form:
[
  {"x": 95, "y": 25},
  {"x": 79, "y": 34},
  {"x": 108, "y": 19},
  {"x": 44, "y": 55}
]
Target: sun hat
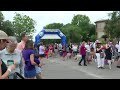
[{"x": 3, "y": 35}]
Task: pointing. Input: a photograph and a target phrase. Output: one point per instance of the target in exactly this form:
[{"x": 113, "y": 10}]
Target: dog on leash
[
  {"x": 109, "y": 63},
  {"x": 68, "y": 56},
  {"x": 77, "y": 57}
]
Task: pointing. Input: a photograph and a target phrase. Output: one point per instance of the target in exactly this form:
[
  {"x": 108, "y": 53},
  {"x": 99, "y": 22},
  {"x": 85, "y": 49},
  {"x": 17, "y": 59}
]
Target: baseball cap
[{"x": 3, "y": 35}]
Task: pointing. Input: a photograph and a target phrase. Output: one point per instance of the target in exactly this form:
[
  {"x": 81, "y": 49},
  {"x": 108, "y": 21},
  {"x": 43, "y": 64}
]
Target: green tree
[
  {"x": 54, "y": 26},
  {"x": 23, "y": 23},
  {"x": 112, "y": 27},
  {"x": 87, "y": 29},
  {"x": 105, "y": 37},
  {"x": 93, "y": 38},
  {"x": 1, "y": 20},
  {"x": 72, "y": 33},
  {"x": 8, "y": 28}
]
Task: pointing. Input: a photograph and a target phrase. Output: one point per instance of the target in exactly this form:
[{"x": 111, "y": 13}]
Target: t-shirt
[
  {"x": 74, "y": 48},
  {"x": 26, "y": 55},
  {"x": 97, "y": 50},
  {"x": 88, "y": 48},
  {"x": 82, "y": 50},
  {"x": 41, "y": 50},
  {"x": 16, "y": 55},
  {"x": 60, "y": 47},
  {"x": 21, "y": 46},
  {"x": 55, "y": 47},
  {"x": 118, "y": 47}
]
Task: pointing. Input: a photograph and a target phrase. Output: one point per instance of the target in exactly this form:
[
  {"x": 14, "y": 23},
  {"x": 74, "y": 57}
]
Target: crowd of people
[
  {"x": 102, "y": 54},
  {"x": 19, "y": 58},
  {"x": 27, "y": 59}
]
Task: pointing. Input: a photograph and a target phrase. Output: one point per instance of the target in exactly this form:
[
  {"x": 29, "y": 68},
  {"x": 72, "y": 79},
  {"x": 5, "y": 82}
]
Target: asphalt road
[{"x": 55, "y": 68}]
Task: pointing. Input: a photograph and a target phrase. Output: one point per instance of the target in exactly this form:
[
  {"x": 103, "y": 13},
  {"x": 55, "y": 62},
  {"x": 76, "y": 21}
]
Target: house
[{"x": 100, "y": 25}]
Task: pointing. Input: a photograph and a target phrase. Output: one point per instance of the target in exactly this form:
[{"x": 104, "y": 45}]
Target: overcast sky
[{"x": 43, "y": 18}]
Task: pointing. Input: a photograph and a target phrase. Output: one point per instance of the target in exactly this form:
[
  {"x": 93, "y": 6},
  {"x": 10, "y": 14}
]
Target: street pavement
[{"x": 56, "y": 68}]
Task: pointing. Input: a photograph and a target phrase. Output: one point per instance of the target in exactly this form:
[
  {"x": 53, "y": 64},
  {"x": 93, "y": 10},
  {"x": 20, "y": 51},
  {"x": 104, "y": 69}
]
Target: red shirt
[{"x": 83, "y": 50}]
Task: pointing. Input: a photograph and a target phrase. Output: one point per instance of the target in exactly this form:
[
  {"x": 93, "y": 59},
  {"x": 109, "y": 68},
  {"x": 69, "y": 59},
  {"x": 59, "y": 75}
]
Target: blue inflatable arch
[{"x": 50, "y": 31}]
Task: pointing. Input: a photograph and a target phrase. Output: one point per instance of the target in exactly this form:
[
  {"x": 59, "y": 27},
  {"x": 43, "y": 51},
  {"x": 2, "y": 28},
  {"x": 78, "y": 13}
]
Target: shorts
[
  {"x": 30, "y": 73},
  {"x": 42, "y": 55},
  {"x": 64, "y": 54},
  {"x": 38, "y": 69},
  {"x": 51, "y": 51}
]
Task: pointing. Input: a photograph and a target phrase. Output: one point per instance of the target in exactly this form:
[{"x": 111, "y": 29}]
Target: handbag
[
  {"x": 17, "y": 74},
  {"x": 3, "y": 67},
  {"x": 101, "y": 55}
]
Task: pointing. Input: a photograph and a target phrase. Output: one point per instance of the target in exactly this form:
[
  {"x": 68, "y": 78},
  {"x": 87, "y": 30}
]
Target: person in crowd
[
  {"x": 42, "y": 53},
  {"x": 118, "y": 56},
  {"x": 87, "y": 46},
  {"x": 64, "y": 52},
  {"x": 10, "y": 54},
  {"x": 99, "y": 56},
  {"x": 92, "y": 54},
  {"x": 24, "y": 39},
  {"x": 30, "y": 60},
  {"x": 21, "y": 45},
  {"x": 50, "y": 50},
  {"x": 117, "y": 51},
  {"x": 75, "y": 50},
  {"x": 60, "y": 49},
  {"x": 38, "y": 68},
  {"x": 83, "y": 53},
  {"x": 108, "y": 53},
  {"x": 4, "y": 71},
  {"x": 71, "y": 50},
  {"x": 56, "y": 49},
  {"x": 47, "y": 52}
]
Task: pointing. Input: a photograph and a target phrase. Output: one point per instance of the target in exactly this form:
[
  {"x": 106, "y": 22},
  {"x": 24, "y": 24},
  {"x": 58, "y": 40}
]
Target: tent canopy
[{"x": 50, "y": 34}]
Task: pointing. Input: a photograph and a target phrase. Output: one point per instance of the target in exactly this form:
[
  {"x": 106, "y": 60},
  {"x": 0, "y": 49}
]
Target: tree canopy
[
  {"x": 112, "y": 27},
  {"x": 23, "y": 23},
  {"x": 78, "y": 30}
]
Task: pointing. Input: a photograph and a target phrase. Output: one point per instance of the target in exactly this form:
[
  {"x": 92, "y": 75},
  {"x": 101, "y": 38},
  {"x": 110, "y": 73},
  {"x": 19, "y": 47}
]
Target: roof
[{"x": 101, "y": 21}]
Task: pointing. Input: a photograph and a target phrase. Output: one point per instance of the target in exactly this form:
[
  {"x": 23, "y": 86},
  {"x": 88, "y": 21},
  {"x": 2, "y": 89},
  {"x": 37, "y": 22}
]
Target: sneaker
[
  {"x": 102, "y": 68},
  {"x": 99, "y": 67},
  {"x": 85, "y": 65},
  {"x": 79, "y": 64},
  {"x": 118, "y": 66}
]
